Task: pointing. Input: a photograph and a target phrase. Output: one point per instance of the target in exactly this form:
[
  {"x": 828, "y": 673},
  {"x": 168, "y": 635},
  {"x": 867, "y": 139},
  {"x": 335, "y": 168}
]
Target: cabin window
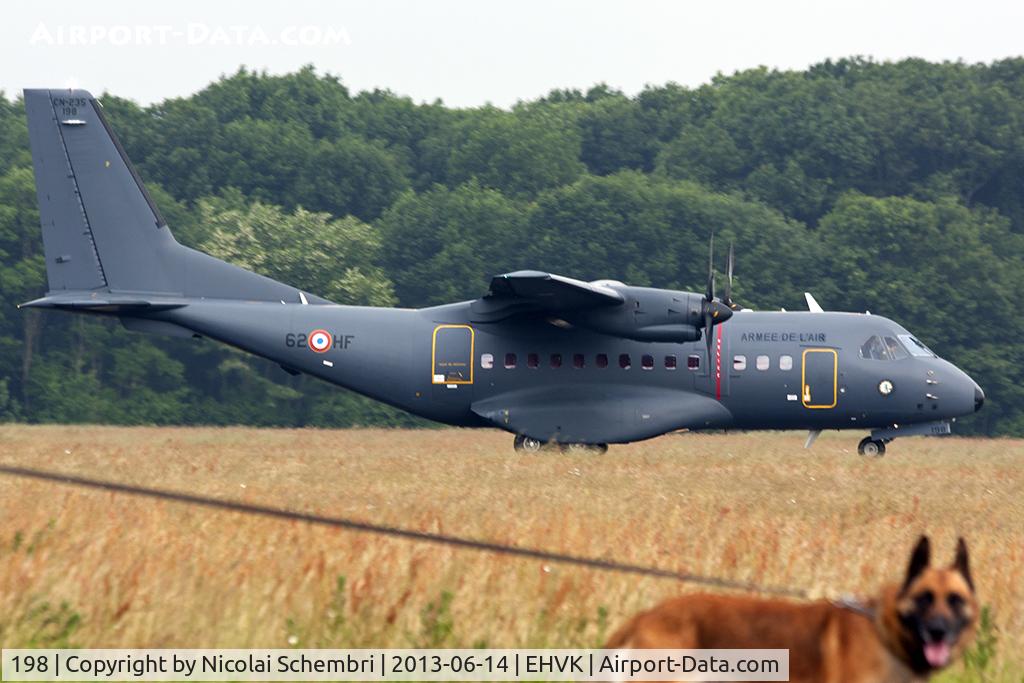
[
  {"x": 624, "y": 362},
  {"x": 602, "y": 360},
  {"x": 670, "y": 362},
  {"x": 739, "y": 363},
  {"x": 487, "y": 361},
  {"x": 693, "y": 362},
  {"x": 556, "y": 360},
  {"x": 647, "y": 362},
  {"x": 532, "y": 360},
  {"x": 510, "y": 360},
  {"x": 763, "y": 363},
  {"x": 578, "y": 361},
  {"x": 785, "y": 362}
]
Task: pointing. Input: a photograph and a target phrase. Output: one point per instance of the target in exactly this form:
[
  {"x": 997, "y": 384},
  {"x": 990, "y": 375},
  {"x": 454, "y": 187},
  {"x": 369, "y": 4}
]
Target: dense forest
[{"x": 891, "y": 187}]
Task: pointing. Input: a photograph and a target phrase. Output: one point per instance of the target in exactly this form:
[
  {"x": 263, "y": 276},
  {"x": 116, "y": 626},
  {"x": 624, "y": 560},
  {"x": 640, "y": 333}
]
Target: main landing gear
[
  {"x": 872, "y": 448},
  {"x": 527, "y": 444}
]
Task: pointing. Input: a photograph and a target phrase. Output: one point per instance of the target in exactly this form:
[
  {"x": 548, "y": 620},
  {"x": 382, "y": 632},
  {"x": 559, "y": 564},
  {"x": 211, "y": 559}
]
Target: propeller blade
[
  {"x": 727, "y": 298},
  {"x": 715, "y": 312},
  {"x": 710, "y": 294},
  {"x": 709, "y": 332}
]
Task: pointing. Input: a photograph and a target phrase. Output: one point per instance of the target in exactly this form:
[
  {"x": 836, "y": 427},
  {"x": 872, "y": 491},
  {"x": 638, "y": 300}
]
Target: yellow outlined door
[
  {"x": 451, "y": 356},
  {"x": 819, "y": 378}
]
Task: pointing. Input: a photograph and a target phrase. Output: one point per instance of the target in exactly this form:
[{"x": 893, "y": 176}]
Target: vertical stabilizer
[{"x": 102, "y": 232}]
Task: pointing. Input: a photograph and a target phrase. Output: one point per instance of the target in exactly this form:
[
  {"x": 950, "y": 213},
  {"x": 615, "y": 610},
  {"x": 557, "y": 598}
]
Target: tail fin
[
  {"x": 102, "y": 232},
  {"x": 101, "y": 229}
]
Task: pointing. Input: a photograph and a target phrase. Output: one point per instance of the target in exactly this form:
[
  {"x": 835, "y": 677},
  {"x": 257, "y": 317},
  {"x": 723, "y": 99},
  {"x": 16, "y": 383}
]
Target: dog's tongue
[{"x": 937, "y": 654}]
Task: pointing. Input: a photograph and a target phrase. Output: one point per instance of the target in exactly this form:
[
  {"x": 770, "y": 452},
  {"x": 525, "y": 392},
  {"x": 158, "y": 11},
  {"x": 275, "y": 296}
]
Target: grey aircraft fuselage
[
  {"x": 768, "y": 370},
  {"x": 545, "y": 357}
]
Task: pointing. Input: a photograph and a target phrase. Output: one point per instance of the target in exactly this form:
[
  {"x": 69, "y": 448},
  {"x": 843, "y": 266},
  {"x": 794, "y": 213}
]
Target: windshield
[
  {"x": 882, "y": 348},
  {"x": 915, "y": 347}
]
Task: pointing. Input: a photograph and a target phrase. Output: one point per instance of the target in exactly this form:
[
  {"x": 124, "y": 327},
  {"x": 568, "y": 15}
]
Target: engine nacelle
[{"x": 647, "y": 315}]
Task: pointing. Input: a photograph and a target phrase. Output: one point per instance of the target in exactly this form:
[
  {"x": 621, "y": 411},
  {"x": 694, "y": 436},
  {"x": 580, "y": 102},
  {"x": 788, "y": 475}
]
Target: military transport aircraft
[{"x": 545, "y": 357}]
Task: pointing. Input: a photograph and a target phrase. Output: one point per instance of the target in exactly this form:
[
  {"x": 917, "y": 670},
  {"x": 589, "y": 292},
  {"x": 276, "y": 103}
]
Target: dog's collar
[{"x": 848, "y": 602}]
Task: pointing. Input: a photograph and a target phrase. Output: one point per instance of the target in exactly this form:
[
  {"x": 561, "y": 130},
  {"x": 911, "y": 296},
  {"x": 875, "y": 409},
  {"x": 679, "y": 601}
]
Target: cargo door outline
[
  {"x": 451, "y": 354},
  {"x": 815, "y": 381}
]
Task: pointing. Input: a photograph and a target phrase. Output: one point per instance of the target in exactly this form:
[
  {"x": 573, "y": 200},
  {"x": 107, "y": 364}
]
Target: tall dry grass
[{"x": 99, "y": 569}]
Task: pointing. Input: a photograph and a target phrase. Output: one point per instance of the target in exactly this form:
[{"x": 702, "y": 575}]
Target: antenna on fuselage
[{"x": 812, "y": 305}]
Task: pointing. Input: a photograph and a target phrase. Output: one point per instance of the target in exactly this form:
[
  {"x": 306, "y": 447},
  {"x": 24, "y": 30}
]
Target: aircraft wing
[{"x": 534, "y": 291}]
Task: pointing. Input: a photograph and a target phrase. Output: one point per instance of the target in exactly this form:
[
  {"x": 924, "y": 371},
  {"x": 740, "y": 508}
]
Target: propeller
[
  {"x": 715, "y": 312},
  {"x": 727, "y": 299}
]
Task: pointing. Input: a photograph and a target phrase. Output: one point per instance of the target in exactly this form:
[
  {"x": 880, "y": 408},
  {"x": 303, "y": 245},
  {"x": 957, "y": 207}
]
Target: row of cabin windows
[
  {"x": 739, "y": 363},
  {"x": 579, "y": 361}
]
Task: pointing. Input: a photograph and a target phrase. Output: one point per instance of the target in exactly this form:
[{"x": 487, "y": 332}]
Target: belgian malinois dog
[{"x": 906, "y": 633}]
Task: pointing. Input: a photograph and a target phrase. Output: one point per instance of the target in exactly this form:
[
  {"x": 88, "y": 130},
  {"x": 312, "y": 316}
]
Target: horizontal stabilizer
[{"x": 103, "y": 302}]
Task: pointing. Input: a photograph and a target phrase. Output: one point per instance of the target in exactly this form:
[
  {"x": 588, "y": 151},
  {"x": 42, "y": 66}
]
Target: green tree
[
  {"x": 893, "y": 187},
  {"x": 22, "y": 278},
  {"x": 352, "y": 176},
  {"x": 443, "y": 245},
  {"x": 949, "y": 274},
  {"x": 333, "y": 258},
  {"x": 654, "y": 232},
  {"x": 519, "y": 153}
]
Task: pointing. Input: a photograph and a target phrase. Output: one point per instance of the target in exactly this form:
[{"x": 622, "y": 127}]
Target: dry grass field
[{"x": 98, "y": 569}]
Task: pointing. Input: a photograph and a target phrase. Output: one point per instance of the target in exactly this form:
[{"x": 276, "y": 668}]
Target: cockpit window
[
  {"x": 882, "y": 348},
  {"x": 873, "y": 349},
  {"x": 895, "y": 349},
  {"x": 915, "y": 347}
]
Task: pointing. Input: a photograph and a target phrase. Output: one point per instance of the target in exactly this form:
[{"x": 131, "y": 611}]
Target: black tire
[
  {"x": 526, "y": 444},
  {"x": 589, "y": 448},
  {"x": 871, "y": 448}
]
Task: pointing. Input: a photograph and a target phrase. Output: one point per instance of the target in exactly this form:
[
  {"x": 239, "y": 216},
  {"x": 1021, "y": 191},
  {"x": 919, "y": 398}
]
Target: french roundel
[{"x": 320, "y": 341}]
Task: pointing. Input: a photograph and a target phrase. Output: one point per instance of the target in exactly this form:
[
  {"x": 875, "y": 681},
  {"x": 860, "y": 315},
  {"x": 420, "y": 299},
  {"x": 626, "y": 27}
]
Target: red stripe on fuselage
[{"x": 718, "y": 364}]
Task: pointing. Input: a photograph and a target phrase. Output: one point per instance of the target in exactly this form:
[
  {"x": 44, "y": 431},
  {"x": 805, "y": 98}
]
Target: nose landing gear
[{"x": 872, "y": 448}]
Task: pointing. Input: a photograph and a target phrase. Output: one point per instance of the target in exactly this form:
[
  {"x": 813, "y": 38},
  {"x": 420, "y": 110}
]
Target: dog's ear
[
  {"x": 961, "y": 562},
  {"x": 919, "y": 561}
]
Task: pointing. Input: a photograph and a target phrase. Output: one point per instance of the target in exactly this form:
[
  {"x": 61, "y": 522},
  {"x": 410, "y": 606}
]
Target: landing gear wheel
[
  {"x": 588, "y": 448},
  {"x": 871, "y": 448},
  {"x": 526, "y": 444}
]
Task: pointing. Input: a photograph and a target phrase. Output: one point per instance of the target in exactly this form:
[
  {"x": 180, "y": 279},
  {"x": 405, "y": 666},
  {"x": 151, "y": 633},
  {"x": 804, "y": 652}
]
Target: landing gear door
[
  {"x": 451, "y": 359},
  {"x": 819, "y": 381}
]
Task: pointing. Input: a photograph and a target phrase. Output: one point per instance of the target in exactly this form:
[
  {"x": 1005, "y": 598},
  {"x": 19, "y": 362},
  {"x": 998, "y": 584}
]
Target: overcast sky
[{"x": 472, "y": 52}]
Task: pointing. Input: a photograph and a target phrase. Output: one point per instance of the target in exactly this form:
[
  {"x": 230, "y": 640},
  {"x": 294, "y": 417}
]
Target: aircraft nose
[{"x": 979, "y": 397}]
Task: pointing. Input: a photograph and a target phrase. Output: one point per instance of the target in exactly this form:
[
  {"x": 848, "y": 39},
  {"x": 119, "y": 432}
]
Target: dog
[{"x": 906, "y": 633}]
